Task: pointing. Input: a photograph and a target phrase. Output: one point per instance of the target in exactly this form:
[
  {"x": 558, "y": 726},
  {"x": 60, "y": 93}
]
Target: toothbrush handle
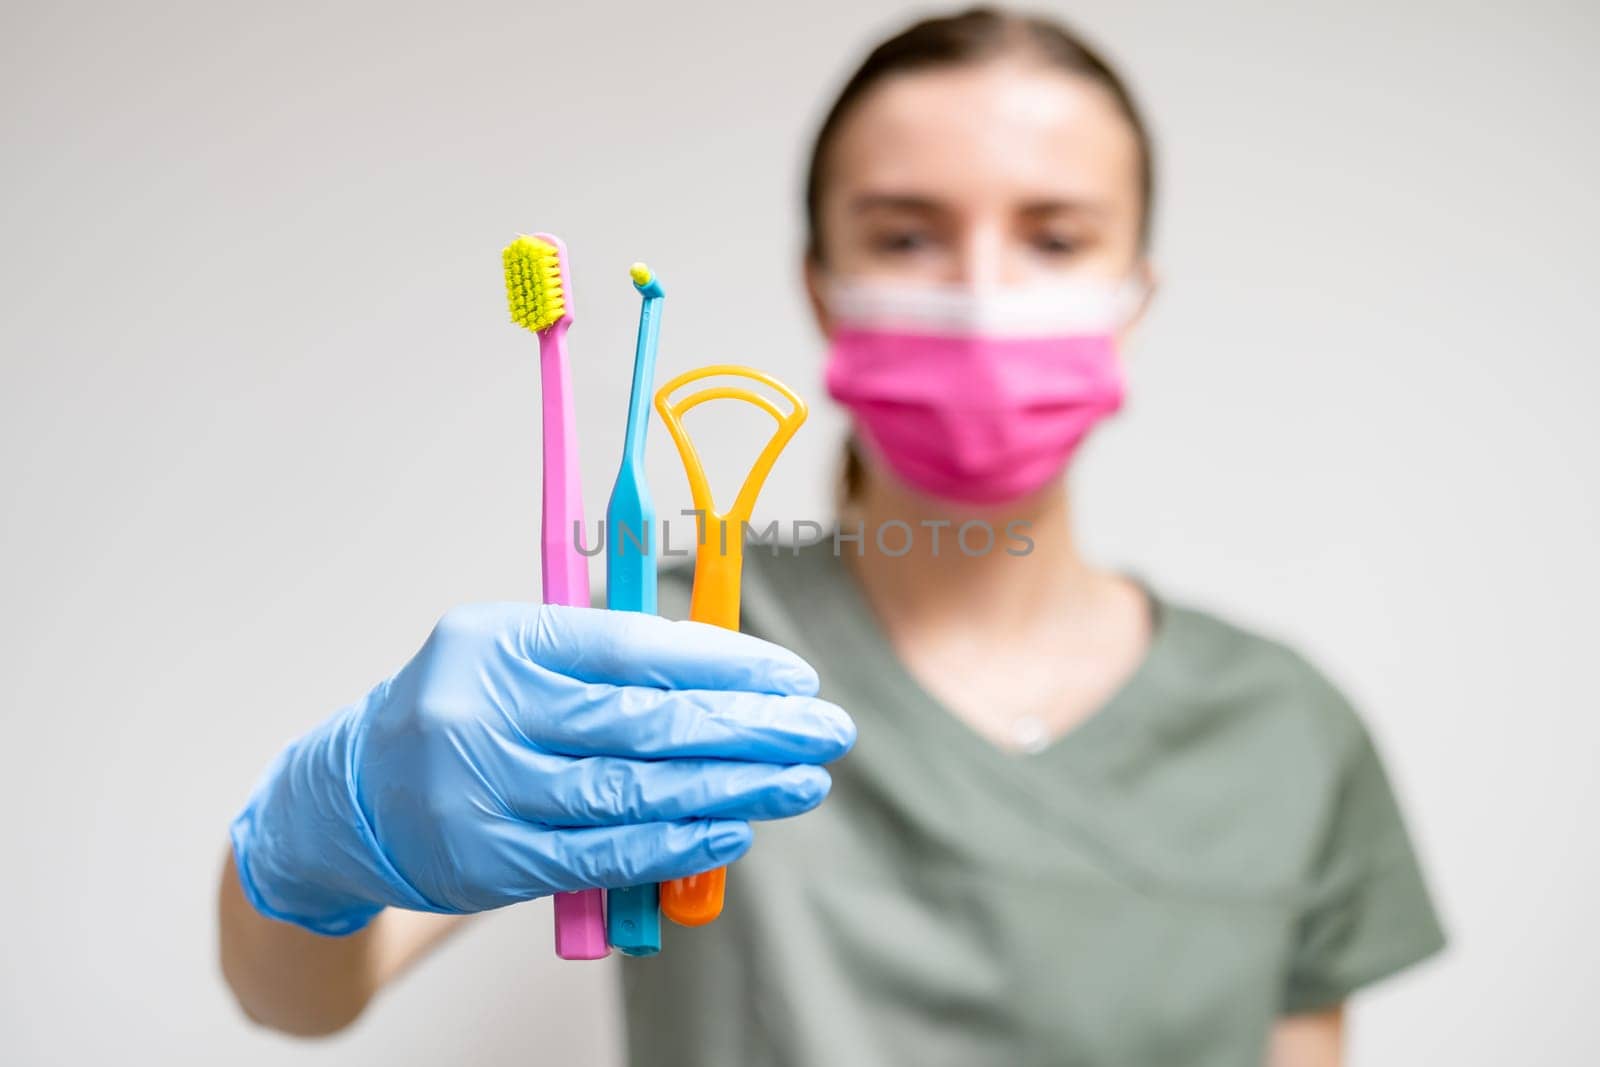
[
  {"x": 633, "y": 913},
  {"x": 564, "y": 570},
  {"x": 579, "y": 917},
  {"x": 633, "y": 919},
  {"x": 697, "y": 899},
  {"x": 581, "y": 925}
]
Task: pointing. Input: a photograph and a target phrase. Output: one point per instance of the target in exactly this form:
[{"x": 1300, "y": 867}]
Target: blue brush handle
[
  {"x": 630, "y": 544},
  {"x": 633, "y": 915}
]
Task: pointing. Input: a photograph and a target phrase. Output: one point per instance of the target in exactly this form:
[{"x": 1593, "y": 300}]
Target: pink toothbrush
[{"x": 540, "y": 293}]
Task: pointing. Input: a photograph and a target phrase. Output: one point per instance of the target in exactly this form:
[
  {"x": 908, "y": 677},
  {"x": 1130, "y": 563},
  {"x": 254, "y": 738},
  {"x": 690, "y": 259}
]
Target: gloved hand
[{"x": 534, "y": 749}]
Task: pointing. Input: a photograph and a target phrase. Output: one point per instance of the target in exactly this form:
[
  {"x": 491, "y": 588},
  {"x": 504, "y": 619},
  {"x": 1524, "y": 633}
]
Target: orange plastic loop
[
  {"x": 672, "y": 414},
  {"x": 697, "y": 900}
]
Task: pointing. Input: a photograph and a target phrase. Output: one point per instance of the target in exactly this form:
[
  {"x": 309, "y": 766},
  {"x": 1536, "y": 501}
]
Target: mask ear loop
[
  {"x": 720, "y": 557},
  {"x": 697, "y": 899},
  {"x": 1131, "y": 296}
]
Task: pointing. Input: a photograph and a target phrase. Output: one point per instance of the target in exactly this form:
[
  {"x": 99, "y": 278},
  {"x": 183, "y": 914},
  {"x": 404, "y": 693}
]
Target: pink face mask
[{"x": 979, "y": 396}]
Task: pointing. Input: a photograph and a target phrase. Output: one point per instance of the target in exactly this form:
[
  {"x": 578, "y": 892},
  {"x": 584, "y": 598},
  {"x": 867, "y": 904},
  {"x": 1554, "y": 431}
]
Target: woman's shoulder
[{"x": 1233, "y": 668}]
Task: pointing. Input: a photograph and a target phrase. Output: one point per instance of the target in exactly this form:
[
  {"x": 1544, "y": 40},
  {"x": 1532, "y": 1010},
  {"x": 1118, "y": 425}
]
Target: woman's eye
[
  {"x": 1053, "y": 244},
  {"x": 901, "y": 241}
]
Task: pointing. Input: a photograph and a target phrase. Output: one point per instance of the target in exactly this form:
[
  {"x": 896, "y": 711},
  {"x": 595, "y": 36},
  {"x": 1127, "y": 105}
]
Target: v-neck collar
[
  {"x": 859, "y": 628},
  {"x": 1067, "y": 786}
]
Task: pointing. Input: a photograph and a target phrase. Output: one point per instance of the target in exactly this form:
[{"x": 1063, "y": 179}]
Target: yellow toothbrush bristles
[
  {"x": 640, "y": 274},
  {"x": 533, "y": 283}
]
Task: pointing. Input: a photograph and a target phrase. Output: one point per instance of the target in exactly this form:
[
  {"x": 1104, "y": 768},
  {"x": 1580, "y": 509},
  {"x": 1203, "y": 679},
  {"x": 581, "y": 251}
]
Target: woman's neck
[
  {"x": 1020, "y": 645},
  {"x": 1008, "y": 566}
]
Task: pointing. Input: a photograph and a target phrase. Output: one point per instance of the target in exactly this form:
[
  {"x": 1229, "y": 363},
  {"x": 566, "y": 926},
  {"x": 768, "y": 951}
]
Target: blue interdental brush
[{"x": 633, "y": 915}]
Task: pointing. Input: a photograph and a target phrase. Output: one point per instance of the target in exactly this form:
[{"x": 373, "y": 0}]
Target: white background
[{"x": 263, "y": 420}]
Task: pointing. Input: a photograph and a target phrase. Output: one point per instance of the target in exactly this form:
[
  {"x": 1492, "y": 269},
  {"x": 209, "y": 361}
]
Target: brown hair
[{"x": 970, "y": 37}]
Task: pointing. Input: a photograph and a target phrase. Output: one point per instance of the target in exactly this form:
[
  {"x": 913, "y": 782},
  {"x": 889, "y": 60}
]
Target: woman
[{"x": 1082, "y": 824}]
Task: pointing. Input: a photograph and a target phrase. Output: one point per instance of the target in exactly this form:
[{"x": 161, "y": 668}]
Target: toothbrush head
[
  {"x": 537, "y": 286},
  {"x": 645, "y": 281}
]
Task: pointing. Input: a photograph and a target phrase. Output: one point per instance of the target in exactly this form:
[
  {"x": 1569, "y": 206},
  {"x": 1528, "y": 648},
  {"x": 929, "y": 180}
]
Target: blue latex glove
[{"x": 534, "y": 749}]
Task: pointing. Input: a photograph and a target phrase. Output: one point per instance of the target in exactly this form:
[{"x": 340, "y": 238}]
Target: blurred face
[
  {"x": 1000, "y": 174},
  {"x": 998, "y": 179}
]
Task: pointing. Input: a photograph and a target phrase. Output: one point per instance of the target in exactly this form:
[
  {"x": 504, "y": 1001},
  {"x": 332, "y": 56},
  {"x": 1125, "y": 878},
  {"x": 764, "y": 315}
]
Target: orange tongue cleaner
[{"x": 719, "y": 560}]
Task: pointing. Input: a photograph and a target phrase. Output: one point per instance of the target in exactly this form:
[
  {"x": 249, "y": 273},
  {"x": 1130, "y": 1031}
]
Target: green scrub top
[{"x": 1215, "y": 847}]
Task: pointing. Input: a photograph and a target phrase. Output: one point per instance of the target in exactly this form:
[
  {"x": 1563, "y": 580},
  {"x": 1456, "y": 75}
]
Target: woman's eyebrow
[
  {"x": 894, "y": 202},
  {"x": 1060, "y": 206},
  {"x": 914, "y": 203}
]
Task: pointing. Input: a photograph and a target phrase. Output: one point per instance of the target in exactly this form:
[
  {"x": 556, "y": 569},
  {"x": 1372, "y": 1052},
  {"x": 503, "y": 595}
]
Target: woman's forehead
[{"x": 1002, "y": 129}]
